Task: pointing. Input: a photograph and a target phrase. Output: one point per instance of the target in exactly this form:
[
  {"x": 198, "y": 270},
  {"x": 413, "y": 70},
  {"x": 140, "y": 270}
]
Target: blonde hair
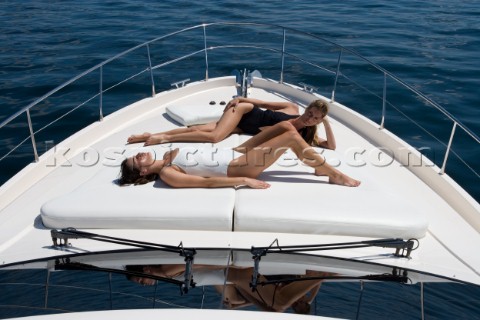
[{"x": 310, "y": 133}]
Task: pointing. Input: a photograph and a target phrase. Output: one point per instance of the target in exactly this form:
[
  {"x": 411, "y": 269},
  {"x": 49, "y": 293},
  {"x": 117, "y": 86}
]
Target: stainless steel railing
[{"x": 336, "y": 72}]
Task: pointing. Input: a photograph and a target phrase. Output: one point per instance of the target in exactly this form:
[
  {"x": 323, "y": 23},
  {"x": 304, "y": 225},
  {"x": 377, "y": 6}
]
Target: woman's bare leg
[
  {"x": 262, "y": 137},
  {"x": 134, "y": 138},
  {"x": 256, "y": 160},
  {"x": 224, "y": 127}
]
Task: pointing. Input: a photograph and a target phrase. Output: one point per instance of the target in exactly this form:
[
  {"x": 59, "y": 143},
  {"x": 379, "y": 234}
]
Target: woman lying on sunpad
[
  {"x": 207, "y": 168},
  {"x": 243, "y": 115}
]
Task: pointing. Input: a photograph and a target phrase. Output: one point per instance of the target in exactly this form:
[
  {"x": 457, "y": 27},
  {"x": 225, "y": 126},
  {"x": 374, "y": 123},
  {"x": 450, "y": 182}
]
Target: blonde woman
[{"x": 250, "y": 116}]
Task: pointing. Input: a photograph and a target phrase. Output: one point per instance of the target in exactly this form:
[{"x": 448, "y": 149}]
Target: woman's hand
[
  {"x": 232, "y": 104},
  {"x": 256, "y": 184}
]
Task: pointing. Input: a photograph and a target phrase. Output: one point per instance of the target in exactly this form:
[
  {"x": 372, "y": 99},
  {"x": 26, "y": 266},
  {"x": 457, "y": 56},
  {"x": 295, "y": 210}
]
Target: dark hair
[
  {"x": 133, "y": 268},
  {"x": 131, "y": 175},
  {"x": 301, "y": 307}
]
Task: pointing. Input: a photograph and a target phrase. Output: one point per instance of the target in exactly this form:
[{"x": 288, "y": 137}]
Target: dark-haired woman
[{"x": 214, "y": 168}]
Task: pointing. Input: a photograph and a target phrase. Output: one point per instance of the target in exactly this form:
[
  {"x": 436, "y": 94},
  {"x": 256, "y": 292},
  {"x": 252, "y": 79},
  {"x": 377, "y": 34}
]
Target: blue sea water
[{"x": 432, "y": 45}]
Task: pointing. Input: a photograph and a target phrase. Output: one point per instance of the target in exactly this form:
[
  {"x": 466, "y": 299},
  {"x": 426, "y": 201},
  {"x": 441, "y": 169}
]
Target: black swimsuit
[
  {"x": 256, "y": 118},
  {"x": 253, "y": 120}
]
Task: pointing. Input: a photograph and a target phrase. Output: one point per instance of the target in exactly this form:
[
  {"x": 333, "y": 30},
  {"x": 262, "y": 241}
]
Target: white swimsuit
[{"x": 205, "y": 161}]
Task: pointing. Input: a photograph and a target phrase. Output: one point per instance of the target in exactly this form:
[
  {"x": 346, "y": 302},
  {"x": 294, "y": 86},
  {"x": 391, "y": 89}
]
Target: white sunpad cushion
[
  {"x": 101, "y": 203},
  {"x": 150, "y": 206},
  {"x": 352, "y": 212},
  {"x": 189, "y": 115},
  {"x": 299, "y": 202}
]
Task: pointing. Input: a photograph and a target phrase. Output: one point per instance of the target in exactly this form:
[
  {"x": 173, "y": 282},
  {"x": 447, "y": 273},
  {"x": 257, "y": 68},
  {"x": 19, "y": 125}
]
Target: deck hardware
[
  {"x": 405, "y": 250},
  {"x": 180, "y": 84},
  {"x": 402, "y": 248},
  {"x": 240, "y": 82},
  {"x": 254, "y": 73},
  {"x": 247, "y": 80},
  {"x": 205, "y": 50},
  {"x": 238, "y": 78},
  {"x": 155, "y": 295},
  {"x": 244, "y": 80},
  {"x": 360, "y": 298},
  {"x": 244, "y": 83},
  {"x": 72, "y": 233},
  {"x": 62, "y": 236},
  {"x": 257, "y": 255},
  {"x": 396, "y": 275},
  {"x": 67, "y": 264},
  {"x": 442, "y": 170},
  {"x": 151, "y": 70},
  {"x": 189, "y": 255},
  {"x": 100, "y": 95},
  {"x": 422, "y": 300},
  {"x": 32, "y": 135},
  {"x": 337, "y": 73},
  {"x": 283, "y": 55},
  {"x": 308, "y": 87},
  {"x": 384, "y": 100},
  {"x": 47, "y": 284}
]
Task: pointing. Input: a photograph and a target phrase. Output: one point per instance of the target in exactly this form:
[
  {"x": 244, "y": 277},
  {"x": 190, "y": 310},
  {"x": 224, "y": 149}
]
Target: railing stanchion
[
  {"x": 442, "y": 171},
  {"x": 422, "y": 300},
  {"x": 283, "y": 55},
  {"x": 101, "y": 94},
  {"x": 197, "y": 53},
  {"x": 360, "y": 300},
  {"x": 336, "y": 75},
  {"x": 110, "y": 289},
  {"x": 206, "y": 52},
  {"x": 47, "y": 283},
  {"x": 151, "y": 70},
  {"x": 384, "y": 100},
  {"x": 32, "y": 135}
]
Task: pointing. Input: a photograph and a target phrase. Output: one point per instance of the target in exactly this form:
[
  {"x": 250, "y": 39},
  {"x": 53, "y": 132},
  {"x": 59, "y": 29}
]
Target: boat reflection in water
[
  {"x": 227, "y": 279},
  {"x": 273, "y": 292}
]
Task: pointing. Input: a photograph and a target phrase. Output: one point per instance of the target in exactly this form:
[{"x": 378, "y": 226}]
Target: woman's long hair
[
  {"x": 309, "y": 134},
  {"x": 131, "y": 175}
]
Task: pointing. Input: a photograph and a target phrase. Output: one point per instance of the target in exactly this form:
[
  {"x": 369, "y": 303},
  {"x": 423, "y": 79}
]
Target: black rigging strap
[
  {"x": 187, "y": 253},
  {"x": 403, "y": 248}
]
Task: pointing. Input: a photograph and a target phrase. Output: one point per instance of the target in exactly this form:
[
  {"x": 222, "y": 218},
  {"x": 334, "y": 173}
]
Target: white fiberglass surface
[{"x": 378, "y": 176}]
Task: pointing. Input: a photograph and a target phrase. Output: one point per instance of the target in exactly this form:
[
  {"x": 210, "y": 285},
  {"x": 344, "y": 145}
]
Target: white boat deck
[{"x": 391, "y": 188}]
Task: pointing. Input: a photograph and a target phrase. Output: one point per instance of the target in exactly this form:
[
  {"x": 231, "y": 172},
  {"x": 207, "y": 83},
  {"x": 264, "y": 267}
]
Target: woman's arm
[
  {"x": 330, "y": 142},
  {"x": 178, "y": 179},
  {"x": 285, "y": 107}
]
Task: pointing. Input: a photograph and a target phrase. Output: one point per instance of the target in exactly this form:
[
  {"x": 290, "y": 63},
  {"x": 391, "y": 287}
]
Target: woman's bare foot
[
  {"x": 134, "y": 138},
  {"x": 343, "y": 180},
  {"x": 156, "y": 139}
]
